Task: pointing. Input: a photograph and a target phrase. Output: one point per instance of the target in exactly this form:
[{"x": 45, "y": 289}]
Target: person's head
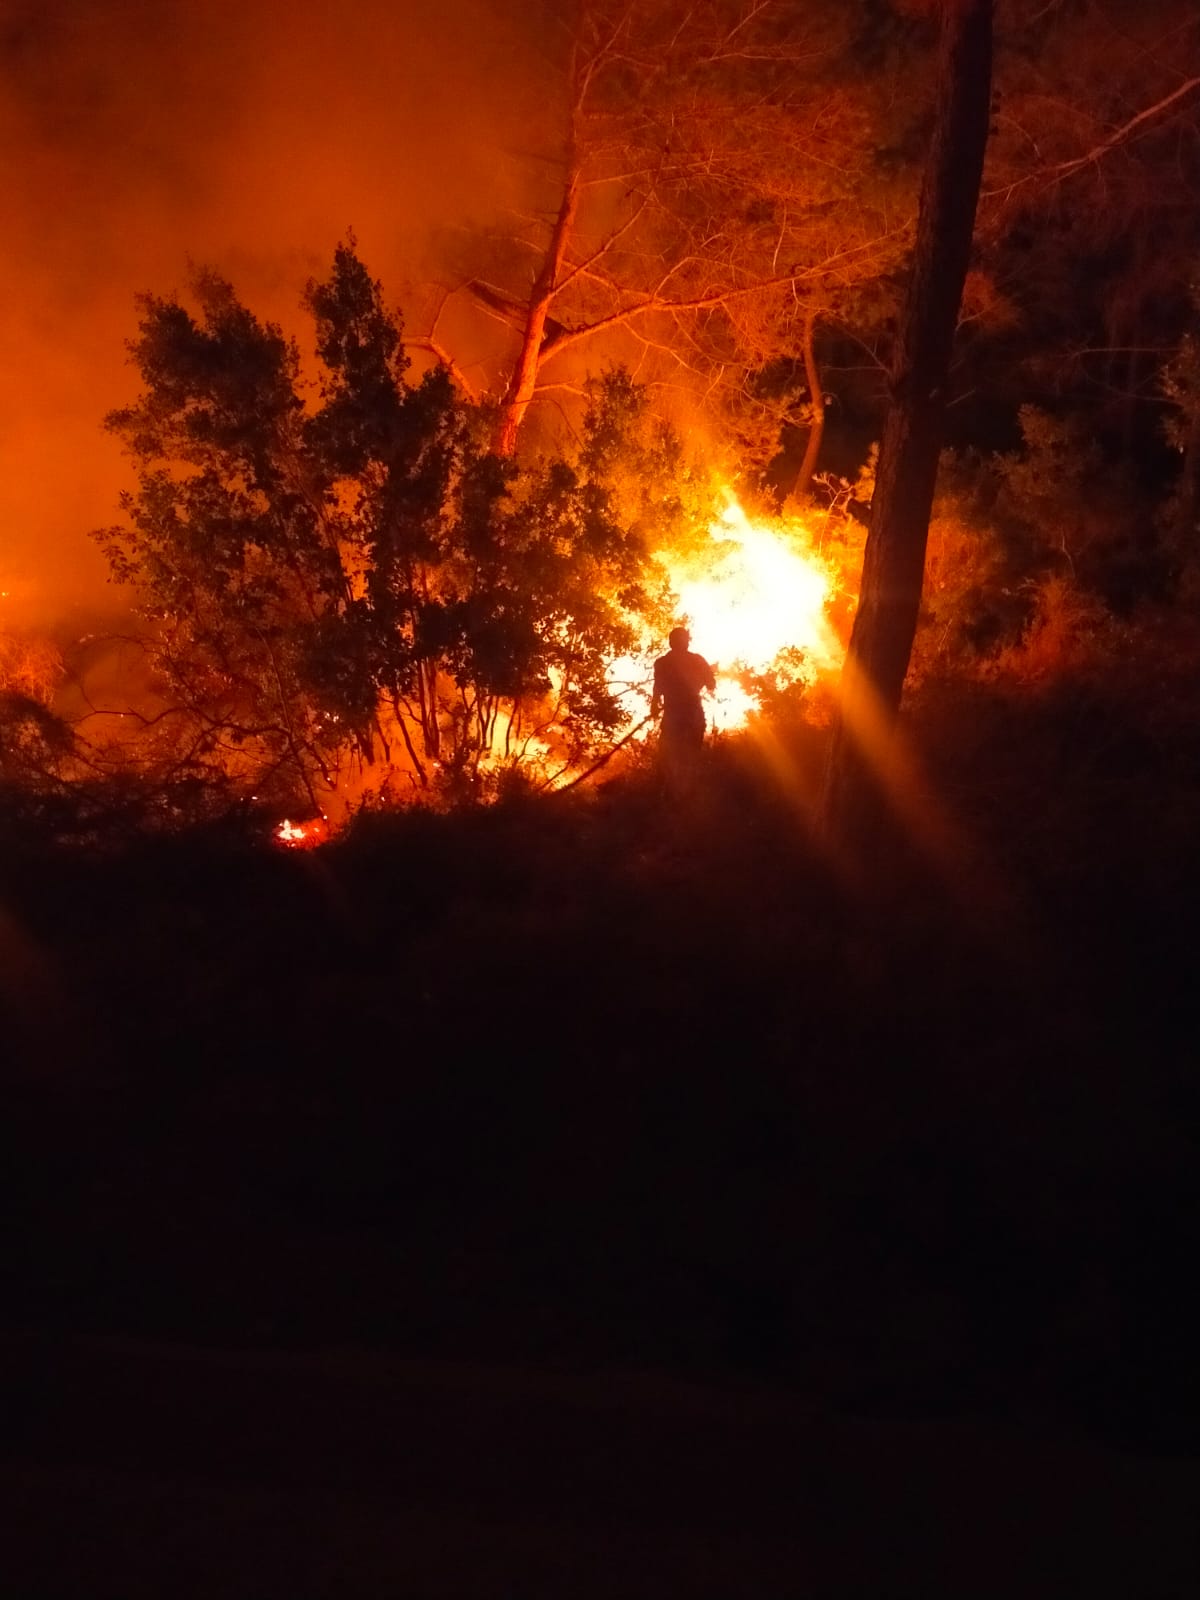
[{"x": 679, "y": 638}]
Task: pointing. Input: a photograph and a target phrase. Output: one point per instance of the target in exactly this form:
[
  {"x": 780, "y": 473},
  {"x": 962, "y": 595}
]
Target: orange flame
[
  {"x": 302, "y": 835},
  {"x": 755, "y": 599}
]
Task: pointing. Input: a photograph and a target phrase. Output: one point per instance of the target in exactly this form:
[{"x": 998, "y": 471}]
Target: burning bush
[
  {"x": 365, "y": 582},
  {"x": 364, "y": 585}
]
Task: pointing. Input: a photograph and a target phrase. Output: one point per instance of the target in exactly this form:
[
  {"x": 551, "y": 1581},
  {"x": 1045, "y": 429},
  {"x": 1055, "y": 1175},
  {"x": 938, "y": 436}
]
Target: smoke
[{"x": 141, "y": 134}]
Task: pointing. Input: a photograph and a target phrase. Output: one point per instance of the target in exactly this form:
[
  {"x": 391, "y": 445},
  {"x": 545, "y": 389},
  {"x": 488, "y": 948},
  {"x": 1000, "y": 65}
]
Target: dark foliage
[
  {"x": 582, "y": 1079},
  {"x": 327, "y": 583}
]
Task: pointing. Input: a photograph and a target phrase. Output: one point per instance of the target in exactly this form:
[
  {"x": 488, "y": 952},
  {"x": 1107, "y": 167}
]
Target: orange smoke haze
[{"x": 243, "y": 134}]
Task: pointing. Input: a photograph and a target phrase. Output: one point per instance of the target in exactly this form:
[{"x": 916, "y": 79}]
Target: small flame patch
[{"x": 302, "y": 835}]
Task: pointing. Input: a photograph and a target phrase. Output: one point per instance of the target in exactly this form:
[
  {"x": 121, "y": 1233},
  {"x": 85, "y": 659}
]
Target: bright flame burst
[
  {"x": 302, "y": 835},
  {"x": 755, "y": 600}
]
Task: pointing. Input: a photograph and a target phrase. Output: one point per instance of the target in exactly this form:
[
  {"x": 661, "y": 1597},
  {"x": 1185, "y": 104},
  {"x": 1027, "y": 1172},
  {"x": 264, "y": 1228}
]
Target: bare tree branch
[{"x": 1122, "y": 135}]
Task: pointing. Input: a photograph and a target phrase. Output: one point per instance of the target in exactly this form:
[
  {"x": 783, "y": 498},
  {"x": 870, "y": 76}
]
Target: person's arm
[
  {"x": 710, "y": 683},
  {"x": 656, "y": 698}
]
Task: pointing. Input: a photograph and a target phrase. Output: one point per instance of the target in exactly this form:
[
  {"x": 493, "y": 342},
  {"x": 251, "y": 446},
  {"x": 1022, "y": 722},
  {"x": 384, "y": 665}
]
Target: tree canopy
[
  {"x": 724, "y": 197},
  {"x": 337, "y": 568},
  {"x": 372, "y": 558}
]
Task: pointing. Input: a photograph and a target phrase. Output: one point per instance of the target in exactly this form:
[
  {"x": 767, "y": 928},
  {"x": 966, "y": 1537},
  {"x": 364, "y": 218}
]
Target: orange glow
[
  {"x": 203, "y": 141},
  {"x": 759, "y": 589},
  {"x": 755, "y": 598}
]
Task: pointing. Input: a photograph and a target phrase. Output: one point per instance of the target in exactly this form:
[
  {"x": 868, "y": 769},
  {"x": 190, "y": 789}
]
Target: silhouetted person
[{"x": 680, "y": 677}]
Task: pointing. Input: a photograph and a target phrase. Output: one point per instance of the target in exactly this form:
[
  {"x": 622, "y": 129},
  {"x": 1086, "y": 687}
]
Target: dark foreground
[
  {"x": 570, "y": 1198},
  {"x": 143, "y": 1471}
]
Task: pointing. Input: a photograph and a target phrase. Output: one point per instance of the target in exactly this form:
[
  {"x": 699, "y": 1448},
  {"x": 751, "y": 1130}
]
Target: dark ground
[{"x": 564, "y": 1198}]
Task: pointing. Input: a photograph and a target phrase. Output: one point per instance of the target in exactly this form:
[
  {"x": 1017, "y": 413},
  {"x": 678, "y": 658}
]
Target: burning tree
[{"x": 334, "y": 583}]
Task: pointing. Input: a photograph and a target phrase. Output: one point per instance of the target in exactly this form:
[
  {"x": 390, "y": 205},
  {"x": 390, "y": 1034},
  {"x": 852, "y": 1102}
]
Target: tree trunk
[
  {"x": 523, "y": 381},
  {"x": 816, "y": 429},
  {"x": 894, "y": 561}
]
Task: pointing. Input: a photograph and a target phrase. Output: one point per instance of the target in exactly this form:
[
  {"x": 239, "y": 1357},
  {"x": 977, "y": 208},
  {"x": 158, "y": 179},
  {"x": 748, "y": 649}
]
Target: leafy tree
[
  {"x": 332, "y": 578},
  {"x": 228, "y": 537},
  {"x": 551, "y": 570},
  {"x": 494, "y": 593}
]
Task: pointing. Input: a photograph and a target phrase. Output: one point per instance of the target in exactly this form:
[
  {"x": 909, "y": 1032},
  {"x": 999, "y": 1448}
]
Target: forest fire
[
  {"x": 356, "y": 576},
  {"x": 513, "y": 952}
]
